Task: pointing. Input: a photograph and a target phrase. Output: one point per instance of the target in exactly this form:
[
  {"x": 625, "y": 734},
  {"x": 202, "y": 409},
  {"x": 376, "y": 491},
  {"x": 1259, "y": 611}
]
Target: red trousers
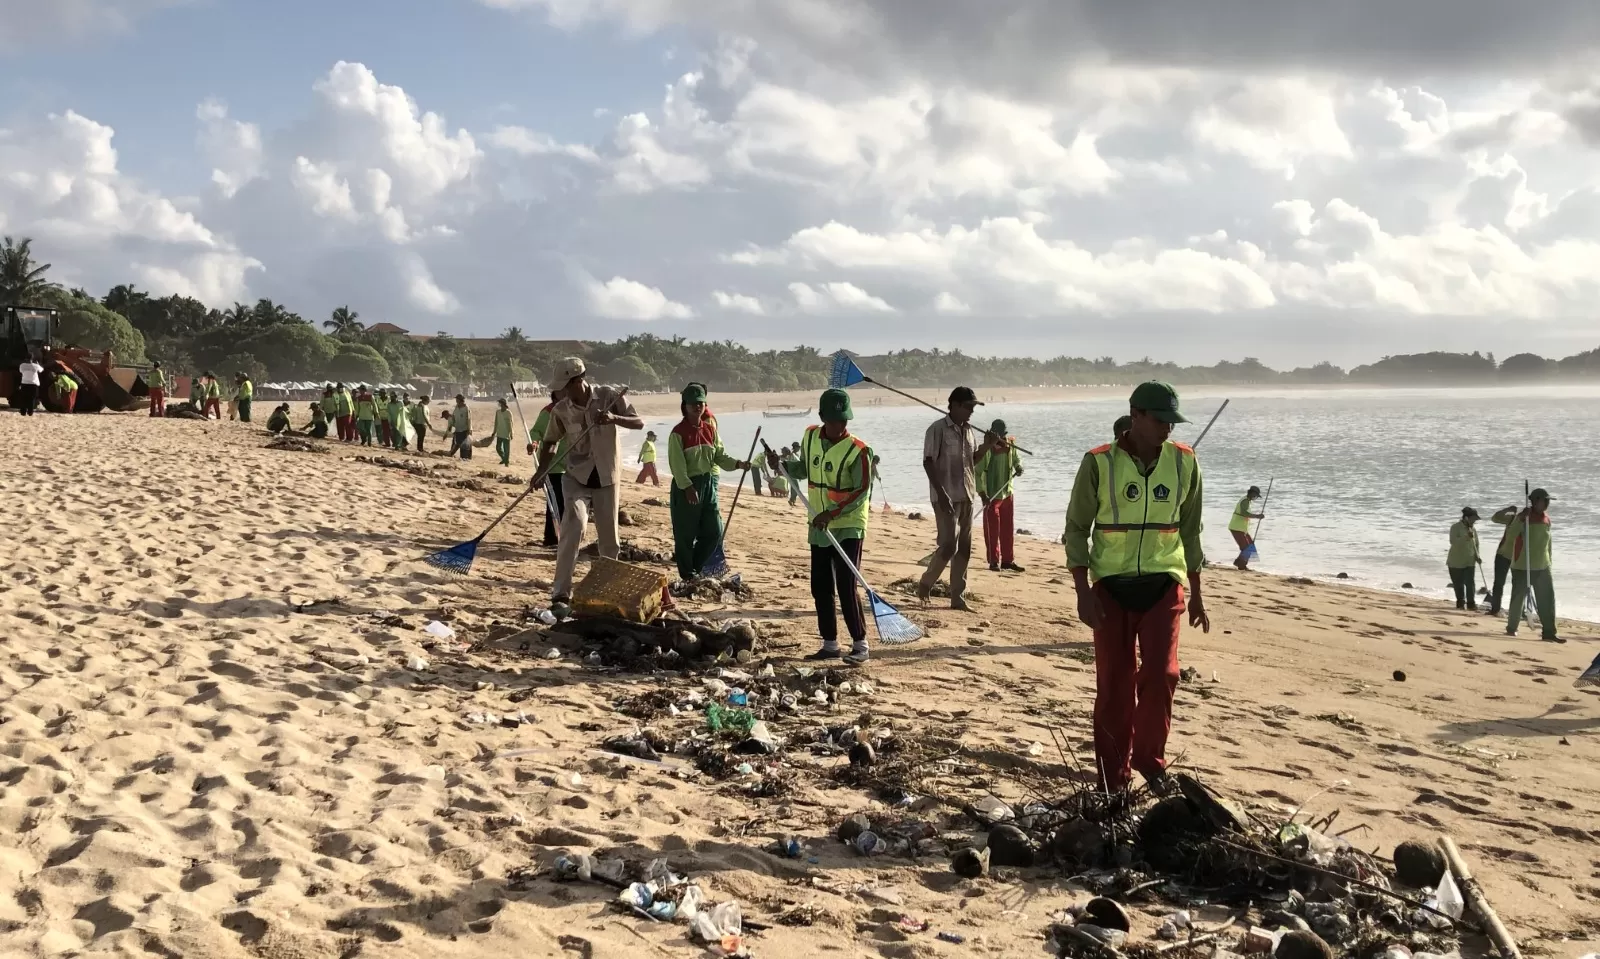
[
  {"x": 347, "y": 429},
  {"x": 70, "y": 401},
  {"x": 212, "y": 405},
  {"x": 999, "y": 532},
  {"x": 386, "y": 437},
  {"x": 649, "y": 473},
  {"x": 1136, "y": 674},
  {"x": 158, "y": 401}
]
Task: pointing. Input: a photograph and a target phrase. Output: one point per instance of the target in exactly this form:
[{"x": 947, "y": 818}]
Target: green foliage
[
  {"x": 22, "y": 278},
  {"x": 245, "y": 363},
  {"x": 633, "y": 371},
  {"x": 431, "y": 370},
  {"x": 358, "y": 363},
  {"x": 290, "y": 351},
  {"x": 85, "y": 323}
]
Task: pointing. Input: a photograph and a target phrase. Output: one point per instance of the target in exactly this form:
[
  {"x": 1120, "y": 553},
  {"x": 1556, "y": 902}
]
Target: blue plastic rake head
[
  {"x": 457, "y": 560},
  {"x": 893, "y": 628}
]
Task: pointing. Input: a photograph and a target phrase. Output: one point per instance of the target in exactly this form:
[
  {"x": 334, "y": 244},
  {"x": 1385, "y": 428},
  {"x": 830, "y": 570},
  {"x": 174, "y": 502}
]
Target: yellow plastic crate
[{"x": 613, "y": 588}]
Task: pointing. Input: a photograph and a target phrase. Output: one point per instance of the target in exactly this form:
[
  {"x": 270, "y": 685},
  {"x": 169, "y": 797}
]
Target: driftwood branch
[
  {"x": 1371, "y": 887},
  {"x": 1472, "y": 892}
]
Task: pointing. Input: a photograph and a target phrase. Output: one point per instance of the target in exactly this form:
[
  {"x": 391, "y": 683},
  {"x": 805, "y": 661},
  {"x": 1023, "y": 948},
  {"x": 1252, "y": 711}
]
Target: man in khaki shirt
[
  {"x": 590, "y": 416},
  {"x": 948, "y": 457}
]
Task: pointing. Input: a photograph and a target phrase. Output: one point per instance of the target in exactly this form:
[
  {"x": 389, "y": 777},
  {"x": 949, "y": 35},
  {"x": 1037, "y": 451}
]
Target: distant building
[{"x": 388, "y": 328}]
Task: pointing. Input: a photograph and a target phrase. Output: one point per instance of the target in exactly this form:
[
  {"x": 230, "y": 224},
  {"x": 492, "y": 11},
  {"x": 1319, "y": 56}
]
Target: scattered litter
[
  {"x": 552, "y": 653},
  {"x": 439, "y": 630},
  {"x": 417, "y": 664}
]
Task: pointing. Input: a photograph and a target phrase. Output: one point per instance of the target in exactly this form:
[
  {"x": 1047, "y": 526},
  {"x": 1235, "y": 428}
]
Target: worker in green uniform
[
  {"x": 647, "y": 461},
  {"x": 418, "y": 413},
  {"x": 995, "y": 477},
  {"x": 197, "y": 393},
  {"x": 838, "y": 472},
  {"x": 381, "y": 432},
  {"x": 347, "y": 411},
  {"x": 555, "y": 495},
  {"x": 1527, "y": 546},
  {"x": 1463, "y": 558},
  {"x": 396, "y": 412},
  {"x": 502, "y": 433},
  {"x": 694, "y": 452},
  {"x": 213, "y": 397},
  {"x": 156, "y": 380},
  {"x": 1133, "y": 538},
  {"x": 318, "y": 427},
  {"x": 67, "y": 391},
  {"x": 1239, "y": 526},
  {"x": 461, "y": 428},
  {"x": 244, "y": 394},
  {"x": 278, "y": 422},
  {"x": 366, "y": 414}
]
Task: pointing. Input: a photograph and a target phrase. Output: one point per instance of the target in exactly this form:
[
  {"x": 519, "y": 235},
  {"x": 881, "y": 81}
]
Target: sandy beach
[{"x": 226, "y": 734}]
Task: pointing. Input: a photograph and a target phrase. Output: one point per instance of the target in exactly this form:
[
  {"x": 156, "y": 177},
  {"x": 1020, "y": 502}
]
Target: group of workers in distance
[{"x": 1523, "y": 554}]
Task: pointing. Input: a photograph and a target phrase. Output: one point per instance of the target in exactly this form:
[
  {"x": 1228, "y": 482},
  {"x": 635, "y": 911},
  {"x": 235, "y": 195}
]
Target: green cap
[
  {"x": 694, "y": 393},
  {"x": 998, "y": 426},
  {"x": 1158, "y": 399},
  {"x": 1122, "y": 425},
  {"x": 835, "y": 407}
]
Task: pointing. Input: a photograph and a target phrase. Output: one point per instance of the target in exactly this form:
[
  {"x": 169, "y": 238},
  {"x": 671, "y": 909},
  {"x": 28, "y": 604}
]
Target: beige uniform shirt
[
  {"x": 950, "y": 446},
  {"x": 599, "y": 453}
]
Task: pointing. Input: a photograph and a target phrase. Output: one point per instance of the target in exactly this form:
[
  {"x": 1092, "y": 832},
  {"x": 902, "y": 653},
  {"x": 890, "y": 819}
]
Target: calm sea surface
[{"x": 1365, "y": 482}]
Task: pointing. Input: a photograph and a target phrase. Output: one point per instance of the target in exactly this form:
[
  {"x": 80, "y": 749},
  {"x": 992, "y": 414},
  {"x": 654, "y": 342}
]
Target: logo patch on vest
[
  {"x": 1161, "y": 492},
  {"x": 1132, "y": 492}
]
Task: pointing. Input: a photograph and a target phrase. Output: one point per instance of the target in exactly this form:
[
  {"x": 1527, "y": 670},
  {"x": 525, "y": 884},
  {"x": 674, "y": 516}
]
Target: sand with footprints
[{"x": 212, "y": 742}]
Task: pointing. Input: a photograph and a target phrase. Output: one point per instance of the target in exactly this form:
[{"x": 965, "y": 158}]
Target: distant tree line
[{"x": 271, "y": 342}]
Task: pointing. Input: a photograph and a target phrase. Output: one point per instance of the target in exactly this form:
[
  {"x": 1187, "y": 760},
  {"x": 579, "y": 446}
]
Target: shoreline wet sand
[{"x": 220, "y": 742}]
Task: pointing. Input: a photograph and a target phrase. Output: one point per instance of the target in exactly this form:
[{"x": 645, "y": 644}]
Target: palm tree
[
  {"x": 514, "y": 334},
  {"x": 21, "y": 280},
  {"x": 236, "y": 315},
  {"x": 344, "y": 322}
]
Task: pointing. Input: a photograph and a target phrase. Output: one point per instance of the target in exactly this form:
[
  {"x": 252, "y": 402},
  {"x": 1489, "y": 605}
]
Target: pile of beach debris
[{"x": 295, "y": 444}]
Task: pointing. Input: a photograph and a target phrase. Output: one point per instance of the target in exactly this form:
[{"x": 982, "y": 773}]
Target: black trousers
[
  {"x": 1465, "y": 584},
  {"x": 830, "y": 577},
  {"x": 28, "y": 398},
  {"x": 555, "y": 506},
  {"x": 1502, "y": 569}
]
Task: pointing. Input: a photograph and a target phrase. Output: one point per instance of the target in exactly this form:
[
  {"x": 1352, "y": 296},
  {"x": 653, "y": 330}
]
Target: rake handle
[
  {"x": 739, "y": 489},
  {"x": 918, "y": 399}
]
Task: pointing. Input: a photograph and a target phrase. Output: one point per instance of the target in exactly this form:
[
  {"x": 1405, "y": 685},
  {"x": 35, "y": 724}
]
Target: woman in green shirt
[
  {"x": 694, "y": 452},
  {"x": 419, "y": 420}
]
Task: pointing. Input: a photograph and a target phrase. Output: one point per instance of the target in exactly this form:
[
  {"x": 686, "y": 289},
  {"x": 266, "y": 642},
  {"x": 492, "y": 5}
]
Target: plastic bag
[{"x": 1448, "y": 896}]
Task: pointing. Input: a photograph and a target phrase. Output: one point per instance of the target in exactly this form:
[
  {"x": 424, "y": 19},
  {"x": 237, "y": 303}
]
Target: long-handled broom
[
  {"x": 1250, "y": 552},
  {"x": 549, "y": 492},
  {"x": 894, "y": 629},
  {"x": 845, "y": 373},
  {"x": 458, "y": 558},
  {"x": 717, "y": 563}
]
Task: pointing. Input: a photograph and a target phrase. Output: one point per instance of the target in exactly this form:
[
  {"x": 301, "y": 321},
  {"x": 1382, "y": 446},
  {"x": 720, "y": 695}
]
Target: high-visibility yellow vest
[
  {"x": 824, "y": 470},
  {"x": 1240, "y": 523},
  {"x": 1136, "y": 530}
]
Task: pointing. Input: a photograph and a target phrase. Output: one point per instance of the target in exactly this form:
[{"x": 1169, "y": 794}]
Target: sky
[{"x": 1189, "y": 180}]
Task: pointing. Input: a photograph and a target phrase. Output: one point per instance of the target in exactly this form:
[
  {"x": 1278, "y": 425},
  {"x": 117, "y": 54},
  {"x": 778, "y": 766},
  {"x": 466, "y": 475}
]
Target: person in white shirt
[{"x": 28, "y": 393}]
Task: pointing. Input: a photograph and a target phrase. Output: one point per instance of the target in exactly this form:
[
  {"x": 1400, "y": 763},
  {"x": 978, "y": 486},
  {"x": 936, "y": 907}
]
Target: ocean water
[{"x": 1364, "y": 482}]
